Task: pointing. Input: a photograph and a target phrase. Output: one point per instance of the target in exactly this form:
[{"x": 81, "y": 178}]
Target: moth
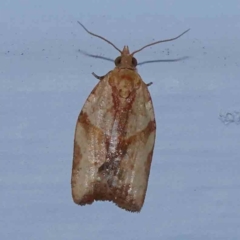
[{"x": 115, "y": 136}]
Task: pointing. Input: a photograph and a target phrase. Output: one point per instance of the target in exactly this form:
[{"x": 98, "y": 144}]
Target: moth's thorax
[{"x": 125, "y": 81}]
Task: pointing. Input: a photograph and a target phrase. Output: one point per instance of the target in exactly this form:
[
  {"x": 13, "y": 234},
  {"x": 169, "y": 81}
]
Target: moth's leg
[
  {"x": 98, "y": 77},
  {"x": 149, "y": 84}
]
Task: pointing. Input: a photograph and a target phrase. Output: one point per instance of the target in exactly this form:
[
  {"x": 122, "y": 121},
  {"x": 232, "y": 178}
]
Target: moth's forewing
[{"x": 114, "y": 141}]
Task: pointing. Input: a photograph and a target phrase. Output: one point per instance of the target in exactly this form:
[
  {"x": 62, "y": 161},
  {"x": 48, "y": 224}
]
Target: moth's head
[{"x": 126, "y": 60}]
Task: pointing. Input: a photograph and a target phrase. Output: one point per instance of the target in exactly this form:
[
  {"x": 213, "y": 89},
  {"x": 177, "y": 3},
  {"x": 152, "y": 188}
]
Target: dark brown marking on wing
[
  {"x": 119, "y": 195},
  {"x": 87, "y": 199},
  {"x": 77, "y": 155},
  {"x": 148, "y": 163},
  {"x": 90, "y": 129},
  {"x": 83, "y": 118}
]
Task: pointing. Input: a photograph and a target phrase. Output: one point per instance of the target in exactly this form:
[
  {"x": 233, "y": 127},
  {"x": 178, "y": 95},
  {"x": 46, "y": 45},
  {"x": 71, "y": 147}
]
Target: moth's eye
[
  {"x": 134, "y": 62},
  {"x": 117, "y": 61}
]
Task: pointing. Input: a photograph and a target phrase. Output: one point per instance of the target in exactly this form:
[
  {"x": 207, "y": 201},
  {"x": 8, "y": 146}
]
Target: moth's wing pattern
[
  {"x": 92, "y": 128},
  {"x": 132, "y": 178},
  {"x": 113, "y": 148}
]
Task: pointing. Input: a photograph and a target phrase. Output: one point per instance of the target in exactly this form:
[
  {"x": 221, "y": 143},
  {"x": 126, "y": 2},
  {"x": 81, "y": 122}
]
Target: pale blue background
[{"x": 194, "y": 186}]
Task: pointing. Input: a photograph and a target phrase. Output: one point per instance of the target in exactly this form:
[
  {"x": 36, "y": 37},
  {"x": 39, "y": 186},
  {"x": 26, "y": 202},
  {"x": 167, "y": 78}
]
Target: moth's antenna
[
  {"x": 95, "y": 35},
  {"x": 163, "y": 60},
  {"x": 166, "y": 40},
  {"x": 95, "y": 56}
]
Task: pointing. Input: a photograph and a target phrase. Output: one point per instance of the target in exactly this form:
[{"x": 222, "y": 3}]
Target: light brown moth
[{"x": 114, "y": 137}]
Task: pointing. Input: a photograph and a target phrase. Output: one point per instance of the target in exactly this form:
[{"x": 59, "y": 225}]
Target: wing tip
[{"x": 127, "y": 203}]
